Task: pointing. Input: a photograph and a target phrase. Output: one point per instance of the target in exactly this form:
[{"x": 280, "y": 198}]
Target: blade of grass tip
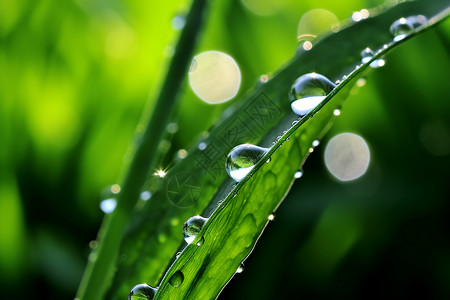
[{"x": 102, "y": 261}]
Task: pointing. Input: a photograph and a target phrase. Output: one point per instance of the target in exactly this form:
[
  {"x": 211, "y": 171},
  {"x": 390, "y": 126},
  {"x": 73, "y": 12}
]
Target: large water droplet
[
  {"x": 192, "y": 227},
  {"x": 308, "y": 91},
  {"x": 176, "y": 279},
  {"x": 241, "y": 160},
  {"x": 142, "y": 292},
  {"x": 401, "y": 28}
]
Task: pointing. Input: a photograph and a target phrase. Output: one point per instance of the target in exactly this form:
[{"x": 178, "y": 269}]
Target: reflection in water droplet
[
  {"x": 401, "y": 28},
  {"x": 142, "y": 292},
  {"x": 208, "y": 80},
  {"x": 347, "y": 156},
  {"x": 146, "y": 195},
  {"x": 241, "y": 268},
  {"x": 192, "y": 227},
  {"x": 201, "y": 241},
  {"x": 308, "y": 91},
  {"x": 176, "y": 279},
  {"x": 108, "y": 205},
  {"x": 298, "y": 174},
  {"x": 241, "y": 160}
]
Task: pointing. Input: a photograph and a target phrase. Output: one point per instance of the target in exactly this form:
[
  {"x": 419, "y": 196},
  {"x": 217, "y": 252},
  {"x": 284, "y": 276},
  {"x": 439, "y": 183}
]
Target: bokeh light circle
[
  {"x": 347, "y": 156},
  {"x": 214, "y": 76}
]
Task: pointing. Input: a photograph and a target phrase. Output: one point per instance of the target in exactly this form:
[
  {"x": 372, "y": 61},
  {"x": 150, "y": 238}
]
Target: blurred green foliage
[{"x": 75, "y": 77}]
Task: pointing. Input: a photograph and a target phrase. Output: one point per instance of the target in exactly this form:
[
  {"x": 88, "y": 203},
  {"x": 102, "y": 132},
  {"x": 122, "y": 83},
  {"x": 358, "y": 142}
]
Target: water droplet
[
  {"x": 241, "y": 268},
  {"x": 108, "y": 205},
  {"x": 308, "y": 91},
  {"x": 93, "y": 244},
  {"x": 336, "y": 112},
  {"x": 315, "y": 143},
  {"x": 178, "y": 254},
  {"x": 271, "y": 217},
  {"x": 417, "y": 21},
  {"x": 298, "y": 174},
  {"x": 192, "y": 227},
  {"x": 202, "y": 146},
  {"x": 241, "y": 160},
  {"x": 401, "y": 29},
  {"x": 178, "y": 22},
  {"x": 146, "y": 195},
  {"x": 263, "y": 78},
  {"x": 201, "y": 241},
  {"x": 176, "y": 279},
  {"x": 366, "y": 55},
  {"x": 307, "y": 45},
  {"x": 142, "y": 292},
  {"x": 294, "y": 122}
]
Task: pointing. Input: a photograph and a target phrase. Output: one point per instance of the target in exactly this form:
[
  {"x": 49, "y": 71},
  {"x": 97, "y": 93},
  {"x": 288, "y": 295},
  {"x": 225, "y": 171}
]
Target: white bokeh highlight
[
  {"x": 214, "y": 77},
  {"x": 347, "y": 156}
]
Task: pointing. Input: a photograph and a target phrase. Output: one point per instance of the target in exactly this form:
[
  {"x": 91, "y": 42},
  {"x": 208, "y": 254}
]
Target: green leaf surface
[{"x": 199, "y": 184}]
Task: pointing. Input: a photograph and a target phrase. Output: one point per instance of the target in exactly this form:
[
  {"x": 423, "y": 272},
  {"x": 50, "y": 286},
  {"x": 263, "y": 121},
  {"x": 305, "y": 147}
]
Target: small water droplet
[
  {"x": 201, "y": 241},
  {"x": 338, "y": 81},
  {"x": 271, "y": 217},
  {"x": 192, "y": 227},
  {"x": 288, "y": 138},
  {"x": 241, "y": 268},
  {"x": 93, "y": 244},
  {"x": 178, "y": 22},
  {"x": 142, "y": 292},
  {"x": 269, "y": 160},
  {"x": 307, "y": 45},
  {"x": 401, "y": 28},
  {"x": 294, "y": 122},
  {"x": 357, "y": 16},
  {"x": 178, "y": 254},
  {"x": 146, "y": 195},
  {"x": 366, "y": 55},
  {"x": 241, "y": 160},
  {"x": 202, "y": 146},
  {"x": 176, "y": 279},
  {"x": 315, "y": 143},
  {"x": 308, "y": 91},
  {"x": 298, "y": 174},
  {"x": 336, "y": 112},
  {"x": 344, "y": 77},
  {"x": 263, "y": 78},
  {"x": 108, "y": 205},
  {"x": 311, "y": 150},
  {"x": 278, "y": 138}
]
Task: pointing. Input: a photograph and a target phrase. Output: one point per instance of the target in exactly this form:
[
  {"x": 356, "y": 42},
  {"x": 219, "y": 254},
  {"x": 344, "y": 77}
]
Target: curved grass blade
[{"x": 234, "y": 227}]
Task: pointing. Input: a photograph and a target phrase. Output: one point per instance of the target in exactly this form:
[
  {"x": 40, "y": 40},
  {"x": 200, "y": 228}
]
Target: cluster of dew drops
[{"x": 307, "y": 91}]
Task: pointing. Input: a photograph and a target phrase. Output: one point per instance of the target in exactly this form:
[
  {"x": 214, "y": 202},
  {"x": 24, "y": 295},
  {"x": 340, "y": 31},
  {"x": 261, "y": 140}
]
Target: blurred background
[{"x": 76, "y": 76}]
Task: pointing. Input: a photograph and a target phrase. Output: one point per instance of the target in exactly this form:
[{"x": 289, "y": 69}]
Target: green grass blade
[
  {"x": 196, "y": 184},
  {"x": 102, "y": 263}
]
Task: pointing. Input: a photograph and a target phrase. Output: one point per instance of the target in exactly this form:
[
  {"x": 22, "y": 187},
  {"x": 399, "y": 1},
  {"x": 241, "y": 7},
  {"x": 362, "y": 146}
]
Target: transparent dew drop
[
  {"x": 146, "y": 195},
  {"x": 337, "y": 112},
  {"x": 417, "y": 21},
  {"x": 315, "y": 143},
  {"x": 366, "y": 55},
  {"x": 298, "y": 174},
  {"x": 142, "y": 292},
  {"x": 178, "y": 254},
  {"x": 401, "y": 28},
  {"x": 176, "y": 279},
  {"x": 241, "y": 160},
  {"x": 308, "y": 91},
  {"x": 241, "y": 268},
  {"x": 192, "y": 227},
  {"x": 271, "y": 217}
]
